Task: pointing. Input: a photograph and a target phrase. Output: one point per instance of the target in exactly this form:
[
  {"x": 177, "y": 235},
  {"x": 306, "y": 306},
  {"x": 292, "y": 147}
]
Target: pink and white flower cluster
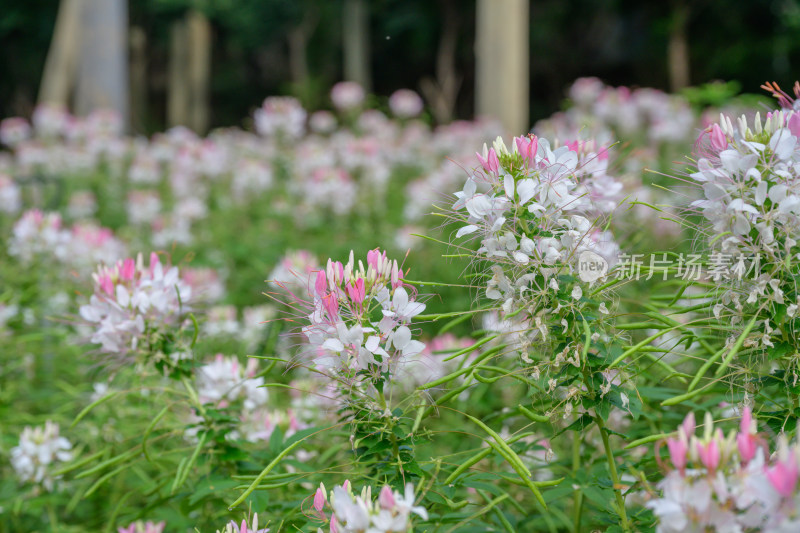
[
  {"x": 633, "y": 115},
  {"x": 246, "y": 526},
  {"x": 535, "y": 211},
  {"x": 750, "y": 179},
  {"x": 143, "y": 527},
  {"x": 36, "y": 234},
  {"x": 131, "y": 300},
  {"x": 294, "y": 268},
  {"x": 346, "y": 512},
  {"x": 39, "y": 450},
  {"x": 360, "y": 316},
  {"x": 224, "y": 380},
  {"x": 42, "y": 235},
  {"x": 281, "y": 116},
  {"x": 728, "y": 483}
]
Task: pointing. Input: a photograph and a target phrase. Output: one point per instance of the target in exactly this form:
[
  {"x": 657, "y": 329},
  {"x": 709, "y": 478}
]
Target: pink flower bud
[
  {"x": 794, "y": 124},
  {"x": 783, "y": 476},
  {"x": 331, "y": 304},
  {"x": 321, "y": 284},
  {"x": 747, "y": 446},
  {"x": 688, "y": 426},
  {"x": 527, "y": 147},
  {"x": 372, "y": 258},
  {"x": 494, "y": 162},
  {"x": 490, "y": 163},
  {"x": 357, "y": 291},
  {"x": 128, "y": 269},
  {"x": 106, "y": 284},
  {"x": 745, "y": 426},
  {"x": 677, "y": 452},
  {"x": 386, "y": 498},
  {"x": 718, "y": 140},
  {"x": 573, "y": 146},
  {"x": 334, "y": 527},
  {"x": 319, "y": 499},
  {"x": 709, "y": 454}
]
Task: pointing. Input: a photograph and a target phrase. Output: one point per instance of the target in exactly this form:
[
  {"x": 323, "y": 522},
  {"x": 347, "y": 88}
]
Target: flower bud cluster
[
  {"x": 535, "y": 211},
  {"x": 346, "y": 512},
  {"x": 728, "y": 483},
  {"x": 750, "y": 176},
  {"x": 361, "y": 316},
  {"x": 130, "y": 300}
]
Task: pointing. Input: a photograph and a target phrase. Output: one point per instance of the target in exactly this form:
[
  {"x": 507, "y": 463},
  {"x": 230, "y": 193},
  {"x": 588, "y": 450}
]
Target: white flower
[
  {"x": 401, "y": 340},
  {"x": 39, "y": 449}
]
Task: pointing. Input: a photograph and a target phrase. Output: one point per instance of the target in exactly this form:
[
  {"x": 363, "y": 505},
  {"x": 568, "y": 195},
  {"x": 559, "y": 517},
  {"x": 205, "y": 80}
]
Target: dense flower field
[{"x": 349, "y": 321}]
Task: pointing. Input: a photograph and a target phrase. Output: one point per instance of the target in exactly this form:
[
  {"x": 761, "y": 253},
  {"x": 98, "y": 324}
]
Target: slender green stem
[
  {"x": 576, "y": 465},
  {"x": 612, "y": 466}
]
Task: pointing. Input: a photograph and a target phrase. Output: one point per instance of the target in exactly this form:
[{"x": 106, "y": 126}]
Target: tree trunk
[
  {"x": 199, "y": 33},
  {"x": 678, "y": 50},
  {"x": 355, "y": 30},
  {"x": 502, "y": 65},
  {"x": 138, "y": 79},
  {"x": 58, "y": 78},
  {"x": 103, "y": 64},
  {"x": 178, "y": 99}
]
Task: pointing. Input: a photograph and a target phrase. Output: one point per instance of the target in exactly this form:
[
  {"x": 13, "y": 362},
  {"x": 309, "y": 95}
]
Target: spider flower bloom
[
  {"x": 244, "y": 527},
  {"x": 38, "y": 451},
  {"x": 727, "y": 483},
  {"x": 143, "y": 527},
  {"x": 36, "y": 234},
  {"x": 293, "y": 269},
  {"x": 749, "y": 179},
  {"x": 532, "y": 209},
  {"x": 361, "y": 315},
  {"x": 281, "y": 116},
  {"x": 347, "y": 95},
  {"x": 14, "y": 130},
  {"x": 405, "y": 103},
  {"x": 353, "y": 513},
  {"x": 131, "y": 300}
]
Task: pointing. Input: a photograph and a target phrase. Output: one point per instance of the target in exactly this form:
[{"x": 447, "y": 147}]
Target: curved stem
[{"x": 612, "y": 466}]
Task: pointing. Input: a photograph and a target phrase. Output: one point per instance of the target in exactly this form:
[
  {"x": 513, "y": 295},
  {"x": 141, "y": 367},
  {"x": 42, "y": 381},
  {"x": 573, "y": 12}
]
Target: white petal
[
  {"x": 466, "y": 230},
  {"x": 334, "y": 345},
  {"x": 401, "y": 337}
]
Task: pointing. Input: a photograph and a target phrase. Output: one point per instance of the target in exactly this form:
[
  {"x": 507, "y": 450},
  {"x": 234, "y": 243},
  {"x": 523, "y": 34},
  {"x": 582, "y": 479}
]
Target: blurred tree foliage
[{"x": 623, "y": 42}]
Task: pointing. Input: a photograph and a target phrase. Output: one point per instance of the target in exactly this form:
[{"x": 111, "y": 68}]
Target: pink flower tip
[
  {"x": 319, "y": 499},
  {"x": 783, "y": 477},
  {"x": 331, "y": 304},
  {"x": 688, "y": 426},
  {"x": 386, "y": 498},
  {"x": 490, "y": 163},
  {"x": 709, "y": 454},
  {"x": 106, "y": 284},
  {"x": 321, "y": 284},
  {"x": 677, "y": 452},
  {"x": 527, "y": 147},
  {"x": 357, "y": 291},
  {"x": 794, "y": 124},
  {"x": 128, "y": 269},
  {"x": 718, "y": 140},
  {"x": 747, "y": 446}
]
